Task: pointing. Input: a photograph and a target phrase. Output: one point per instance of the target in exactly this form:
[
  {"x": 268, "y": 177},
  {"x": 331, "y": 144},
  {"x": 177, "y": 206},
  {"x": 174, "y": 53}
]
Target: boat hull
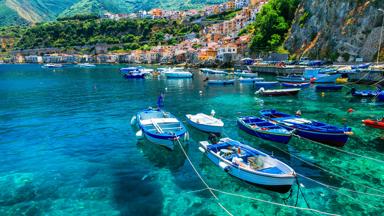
[
  {"x": 178, "y": 76},
  {"x": 332, "y": 139},
  {"x": 280, "y": 138},
  {"x": 205, "y": 128},
  {"x": 290, "y": 80},
  {"x": 295, "y": 85},
  {"x": 281, "y": 184},
  {"x": 215, "y": 82},
  {"x": 141, "y": 76},
  {"x": 327, "y": 79},
  {"x": 374, "y": 124}
]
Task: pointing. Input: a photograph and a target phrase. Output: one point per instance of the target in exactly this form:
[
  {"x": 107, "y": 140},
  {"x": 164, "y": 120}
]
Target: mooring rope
[
  {"x": 211, "y": 190},
  {"x": 201, "y": 178},
  {"x": 339, "y": 188},
  {"x": 328, "y": 171},
  {"x": 331, "y": 188},
  {"x": 338, "y": 149},
  {"x": 272, "y": 203}
]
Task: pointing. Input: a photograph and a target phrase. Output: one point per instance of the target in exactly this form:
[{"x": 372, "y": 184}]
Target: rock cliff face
[{"x": 341, "y": 30}]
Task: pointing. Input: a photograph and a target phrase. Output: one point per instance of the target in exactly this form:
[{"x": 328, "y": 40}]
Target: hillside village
[{"x": 217, "y": 43}]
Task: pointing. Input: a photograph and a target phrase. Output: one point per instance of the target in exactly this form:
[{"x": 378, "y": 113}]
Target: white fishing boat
[
  {"x": 177, "y": 73},
  {"x": 86, "y": 65},
  {"x": 246, "y": 74},
  {"x": 249, "y": 164},
  {"x": 206, "y": 123},
  {"x": 159, "y": 127},
  {"x": 52, "y": 66},
  {"x": 250, "y": 80},
  {"x": 212, "y": 71},
  {"x": 277, "y": 92}
]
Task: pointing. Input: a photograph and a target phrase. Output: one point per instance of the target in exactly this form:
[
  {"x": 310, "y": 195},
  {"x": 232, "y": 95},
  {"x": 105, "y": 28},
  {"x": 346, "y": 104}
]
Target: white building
[{"x": 241, "y": 3}]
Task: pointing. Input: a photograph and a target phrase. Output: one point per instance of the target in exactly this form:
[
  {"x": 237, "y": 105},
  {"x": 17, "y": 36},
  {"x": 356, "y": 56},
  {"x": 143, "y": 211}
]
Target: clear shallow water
[{"x": 67, "y": 148}]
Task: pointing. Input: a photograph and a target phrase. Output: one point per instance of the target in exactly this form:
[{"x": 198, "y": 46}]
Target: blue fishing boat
[
  {"x": 329, "y": 87},
  {"x": 378, "y": 93},
  {"x": 264, "y": 129},
  {"x": 292, "y": 79},
  {"x": 160, "y": 127},
  {"x": 321, "y": 75},
  {"x": 134, "y": 73},
  {"x": 266, "y": 84},
  {"x": 250, "y": 80},
  {"x": 249, "y": 164},
  {"x": 313, "y": 130},
  {"x": 296, "y": 85},
  {"x": 221, "y": 82}
]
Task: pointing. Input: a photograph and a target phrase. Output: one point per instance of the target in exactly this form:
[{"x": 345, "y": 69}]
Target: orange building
[
  {"x": 207, "y": 54},
  {"x": 156, "y": 12}
]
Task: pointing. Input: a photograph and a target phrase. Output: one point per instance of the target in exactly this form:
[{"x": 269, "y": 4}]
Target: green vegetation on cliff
[
  {"x": 272, "y": 24},
  {"x": 15, "y": 12},
  {"x": 82, "y": 31}
]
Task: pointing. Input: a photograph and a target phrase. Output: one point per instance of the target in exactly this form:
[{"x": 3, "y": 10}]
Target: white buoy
[
  {"x": 200, "y": 92},
  {"x": 202, "y": 149},
  {"x": 133, "y": 120},
  {"x": 213, "y": 112},
  {"x": 166, "y": 89},
  {"x": 139, "y": 134}
]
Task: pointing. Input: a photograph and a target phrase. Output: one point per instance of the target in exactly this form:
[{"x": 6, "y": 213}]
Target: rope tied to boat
[
  {"x": 335, "y": 174},
  {"x": 338, "y": 149},
  {"x": 201, "y": 178}
]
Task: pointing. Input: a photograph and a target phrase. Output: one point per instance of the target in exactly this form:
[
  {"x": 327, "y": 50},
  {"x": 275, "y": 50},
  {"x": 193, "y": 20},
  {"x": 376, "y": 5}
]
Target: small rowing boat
[
  {"x": 264, "y": 129},
  {"x": 374, "y": 123},
  {"x": 312, "y": 130},
  {"x": 221, "y": 82},
  {"x": 206, "y": 123},
  {"x": 212, "y": 71},
  {"x": 296, "y": 85},
  {"x": 52, "y": 66},
  {"x": 250, "y": 80},
  {"x": 249, "y": 164},
  {"x": 177, "y": 73},
  {"x": 291, "y": 79},
  {"x": 378, "y": 93},
  {"x": 277, "y": 92},
  {"x": 159, "y": 127},
  {"x": 329, "y": 87}
]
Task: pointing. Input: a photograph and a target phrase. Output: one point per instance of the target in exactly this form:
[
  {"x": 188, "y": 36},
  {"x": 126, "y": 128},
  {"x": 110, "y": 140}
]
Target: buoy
[
  {"x": 200, "y": 92},
  {"x": 350, "y": 110},
  {"x": 298, "y": 112},
  {"x": 139, "y": 134},
  {"x": 213, "y": 112},
  {"x": 133, "y": 120},
  {"x": 166, "y": 89},
  {"x": 322, "y": 94},
  {"x": 202, "y": 149}
]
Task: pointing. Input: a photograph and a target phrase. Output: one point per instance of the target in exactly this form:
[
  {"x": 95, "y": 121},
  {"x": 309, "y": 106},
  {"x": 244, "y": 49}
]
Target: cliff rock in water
[{"x": 341, "y": 30}]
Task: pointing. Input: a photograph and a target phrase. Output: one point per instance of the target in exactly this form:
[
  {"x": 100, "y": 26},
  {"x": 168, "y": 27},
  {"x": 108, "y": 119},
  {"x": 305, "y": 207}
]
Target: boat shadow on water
[{"x": 162, "y": 157}]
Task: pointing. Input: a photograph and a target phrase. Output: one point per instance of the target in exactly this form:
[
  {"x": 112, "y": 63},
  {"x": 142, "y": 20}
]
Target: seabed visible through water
[{"x": 67, "y": 148}]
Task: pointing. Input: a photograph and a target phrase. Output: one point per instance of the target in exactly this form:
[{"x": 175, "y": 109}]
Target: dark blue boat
[
  {"x": 313, "y": 130},
  {"x": 378, "y": 93},
  {"x": 264, "y": 129},
  {"x": 329, "y": 87}
]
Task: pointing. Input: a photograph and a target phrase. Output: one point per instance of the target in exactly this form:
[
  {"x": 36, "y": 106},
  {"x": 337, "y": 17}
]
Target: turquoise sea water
[{"x": 67, "y": 148}]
